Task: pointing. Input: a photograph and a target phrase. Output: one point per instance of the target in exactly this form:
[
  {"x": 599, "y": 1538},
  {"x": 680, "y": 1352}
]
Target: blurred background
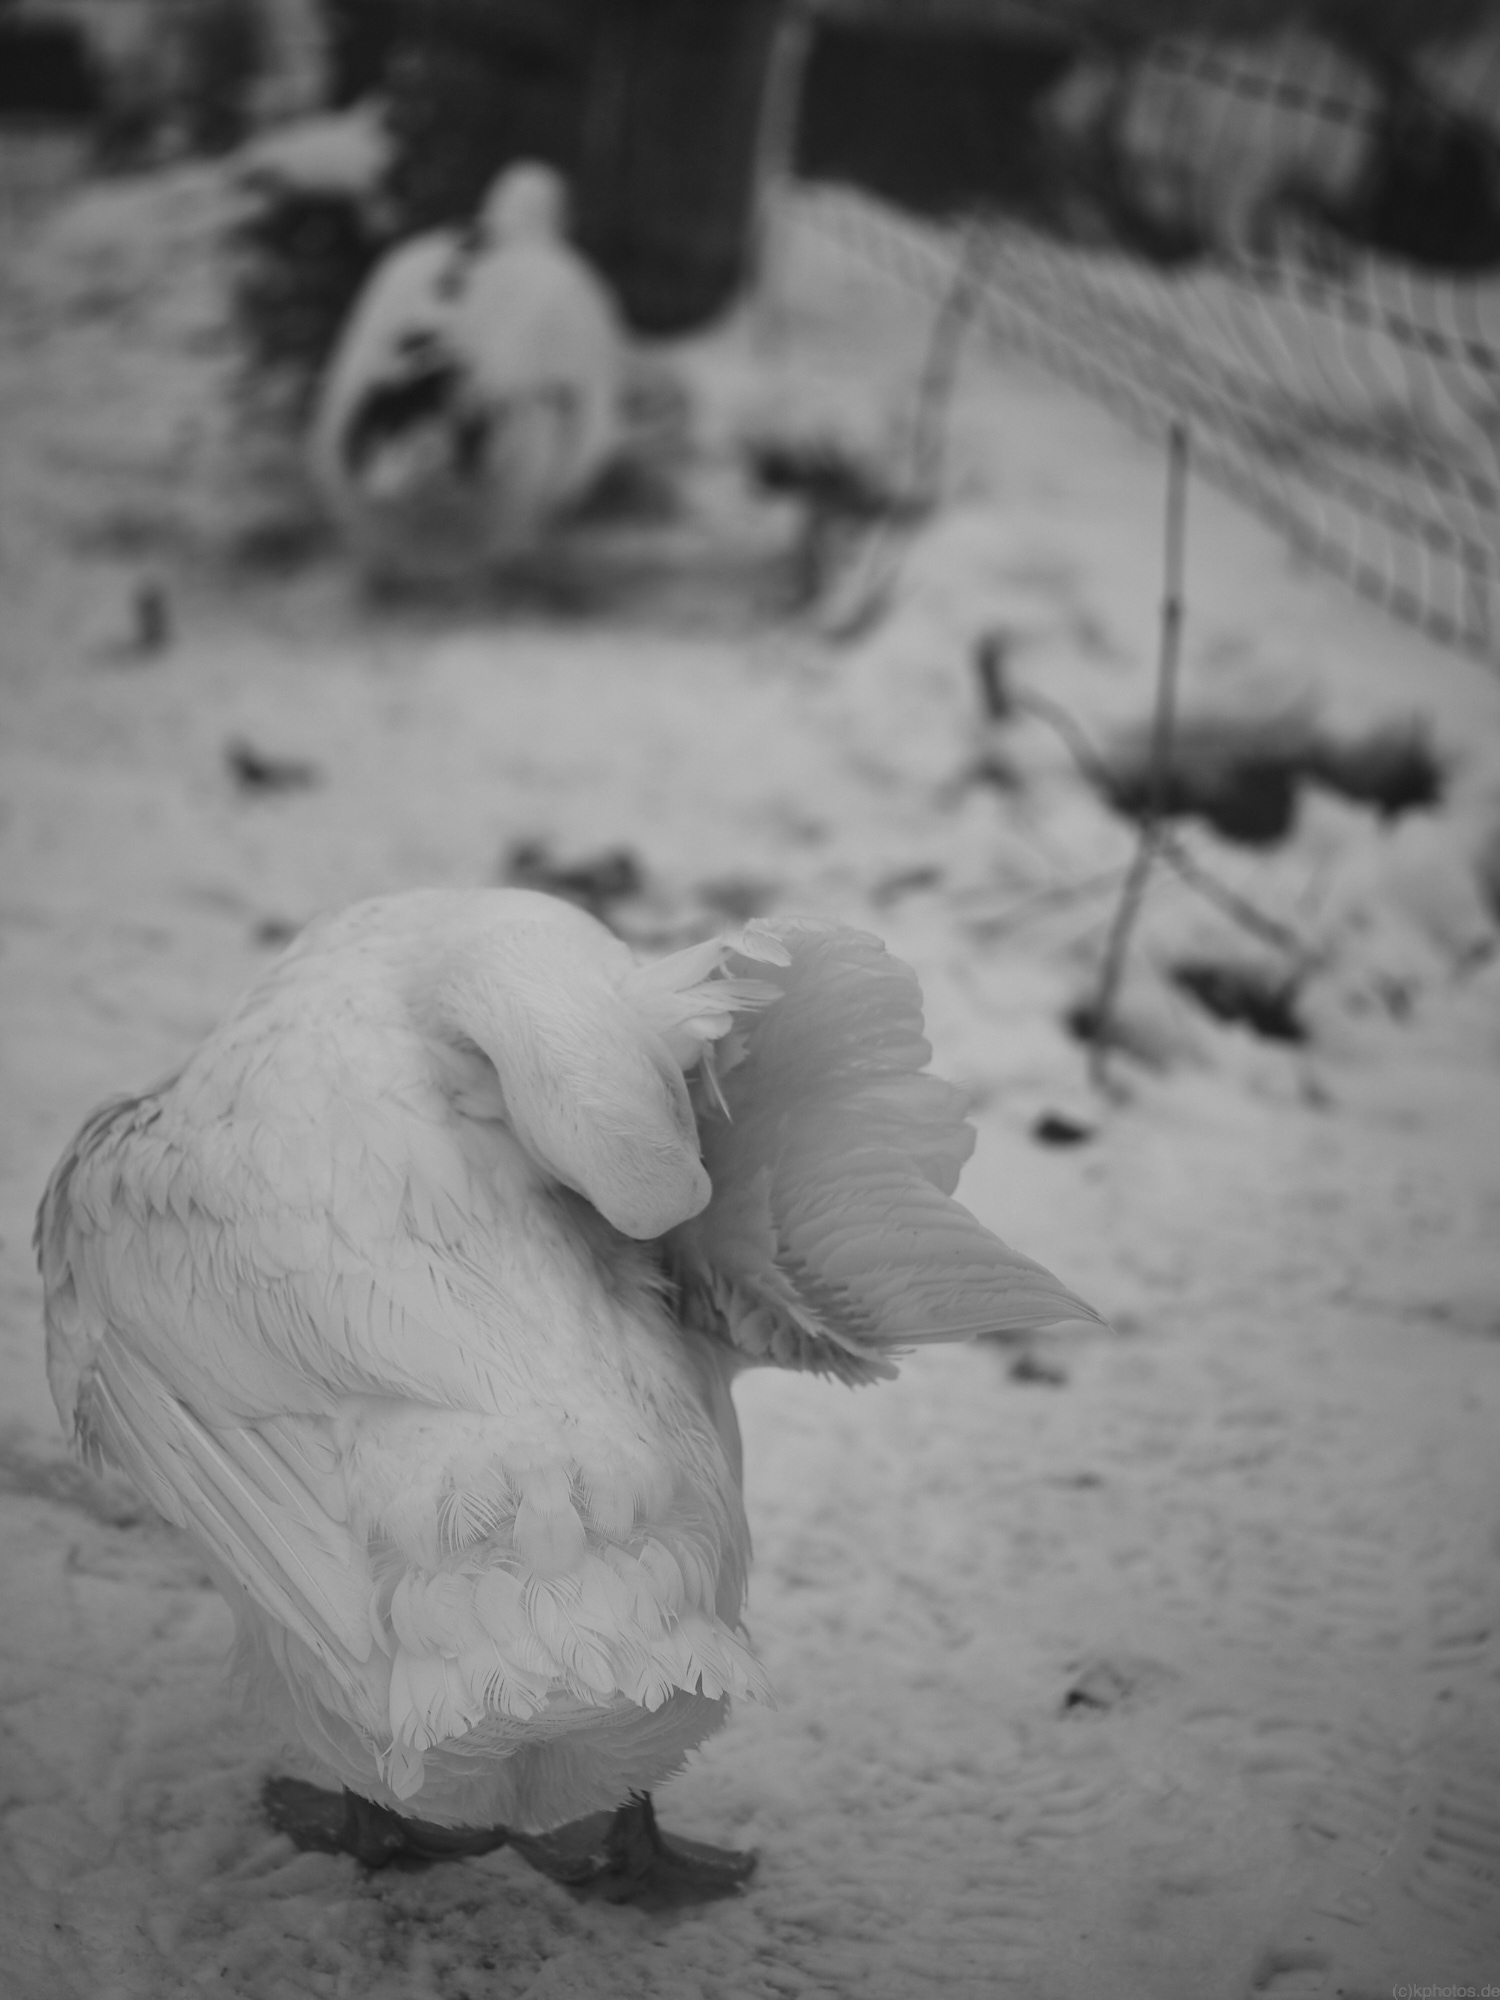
[{"x": 1280, "y": 219}]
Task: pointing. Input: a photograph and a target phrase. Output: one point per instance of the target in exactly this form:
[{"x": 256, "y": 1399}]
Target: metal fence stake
[{"x": 1163, "y": 732}]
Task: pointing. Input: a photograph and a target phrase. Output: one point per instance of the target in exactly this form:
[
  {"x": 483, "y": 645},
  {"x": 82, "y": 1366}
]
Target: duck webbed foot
[
  {"x": 624, "y": 1857},
  {"x": 620, "y": 1857},
  {"x": 322, "y": 1822}
]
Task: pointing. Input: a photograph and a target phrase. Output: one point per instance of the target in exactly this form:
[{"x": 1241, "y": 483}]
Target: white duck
[
  {"x": 475, "y": 395},
  {"x": 415, "y": 1299}
]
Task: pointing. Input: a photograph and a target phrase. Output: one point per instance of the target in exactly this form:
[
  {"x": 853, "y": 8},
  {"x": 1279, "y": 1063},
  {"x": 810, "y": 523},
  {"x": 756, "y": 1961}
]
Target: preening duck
[{"x": 415, "y": 1299}]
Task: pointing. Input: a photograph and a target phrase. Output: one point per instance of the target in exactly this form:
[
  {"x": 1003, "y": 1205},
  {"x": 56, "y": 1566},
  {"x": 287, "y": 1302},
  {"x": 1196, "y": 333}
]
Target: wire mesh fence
[{"x": 1297, "y": 253}]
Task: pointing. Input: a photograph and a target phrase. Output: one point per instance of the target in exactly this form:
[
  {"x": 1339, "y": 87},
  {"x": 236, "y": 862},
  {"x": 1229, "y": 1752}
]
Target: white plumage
[
  {"x": 474, "y": 396},
  {"x": 416, "y": 1296}
]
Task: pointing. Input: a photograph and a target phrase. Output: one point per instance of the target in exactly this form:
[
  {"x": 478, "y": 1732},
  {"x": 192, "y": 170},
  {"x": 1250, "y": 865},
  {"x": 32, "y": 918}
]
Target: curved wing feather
[{"x": 831, "y": 1239}]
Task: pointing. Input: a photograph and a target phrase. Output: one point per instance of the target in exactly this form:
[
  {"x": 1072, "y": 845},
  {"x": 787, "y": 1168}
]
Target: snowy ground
[{"x": 1175, "y": 1672}]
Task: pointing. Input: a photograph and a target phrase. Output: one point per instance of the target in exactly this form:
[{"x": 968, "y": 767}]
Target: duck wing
[
  {"x": 120, "y": 1276},
  {"x": 832, "y": 1240}
]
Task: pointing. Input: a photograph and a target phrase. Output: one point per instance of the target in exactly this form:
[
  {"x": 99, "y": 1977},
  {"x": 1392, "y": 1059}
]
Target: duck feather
[{"x": 415, "y": 1297}]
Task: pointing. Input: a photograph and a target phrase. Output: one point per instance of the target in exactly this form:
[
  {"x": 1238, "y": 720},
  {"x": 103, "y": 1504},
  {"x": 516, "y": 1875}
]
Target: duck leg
[
  {"x": 323, "y": 1822},
  {"x": 622, "y": 1856},
  {"x": 626, "y": 1858}
]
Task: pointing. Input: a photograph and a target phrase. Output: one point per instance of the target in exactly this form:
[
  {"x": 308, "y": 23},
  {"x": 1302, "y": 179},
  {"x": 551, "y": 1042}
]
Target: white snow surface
[{"x": 1176, "y": 1676}]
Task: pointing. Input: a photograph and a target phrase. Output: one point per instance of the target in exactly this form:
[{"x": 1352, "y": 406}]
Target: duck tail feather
[{"x": 831, "y": 1239}]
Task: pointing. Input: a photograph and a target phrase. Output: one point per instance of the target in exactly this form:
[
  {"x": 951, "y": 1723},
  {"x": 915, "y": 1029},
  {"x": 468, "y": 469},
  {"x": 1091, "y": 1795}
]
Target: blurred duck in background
[
  {"x": 475, "y": 396},
  {"x": 416, "y": 1298}
]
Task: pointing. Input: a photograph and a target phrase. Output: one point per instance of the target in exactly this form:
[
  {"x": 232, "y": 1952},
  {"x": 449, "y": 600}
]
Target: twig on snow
[
  {"x": 1036, "y": 902},
  {"x": 1269, "y": 929},
  {"x": 1171, "y": 847}
]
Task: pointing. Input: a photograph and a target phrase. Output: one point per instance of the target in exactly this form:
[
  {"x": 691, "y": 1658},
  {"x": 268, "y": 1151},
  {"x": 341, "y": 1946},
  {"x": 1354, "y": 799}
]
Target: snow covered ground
[{"x": 1170, "y": 1668}]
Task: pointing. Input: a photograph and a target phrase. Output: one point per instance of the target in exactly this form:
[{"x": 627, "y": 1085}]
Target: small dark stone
[
  {"x": 824, "y": 473},
  {"x": 1082, "y": 1021},
  {"x": 595, "y": 882},
  {"x": 1262, "y": 1001},
  {"x": 274, "y": 932},
  {"x": 994, "y": 770},
  {"x": 1057, "y": 1128},
  {"x": 254, "y": 771},
  {"x": 890, "y": 888},
  {"x": 1394, "y": 768},
  {"x": 153, "y": 617},
  {"x": 738, "y": 897},
  {"x": 990, "y": 651},
  {"x": 1098, "y": 1689},
  {"x": 1030, "y": 1367}
]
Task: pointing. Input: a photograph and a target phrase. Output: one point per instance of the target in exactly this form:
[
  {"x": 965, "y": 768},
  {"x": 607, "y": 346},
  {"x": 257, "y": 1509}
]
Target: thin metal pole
[{"x": 1163, "y": 736}]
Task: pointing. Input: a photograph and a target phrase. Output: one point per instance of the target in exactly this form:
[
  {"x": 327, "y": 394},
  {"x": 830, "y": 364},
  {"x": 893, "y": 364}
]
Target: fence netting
[{"x": 1296, "y": 251}]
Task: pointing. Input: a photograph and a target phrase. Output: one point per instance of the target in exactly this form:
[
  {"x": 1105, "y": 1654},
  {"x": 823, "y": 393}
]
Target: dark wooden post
[{"x": 664, "y": 193}]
